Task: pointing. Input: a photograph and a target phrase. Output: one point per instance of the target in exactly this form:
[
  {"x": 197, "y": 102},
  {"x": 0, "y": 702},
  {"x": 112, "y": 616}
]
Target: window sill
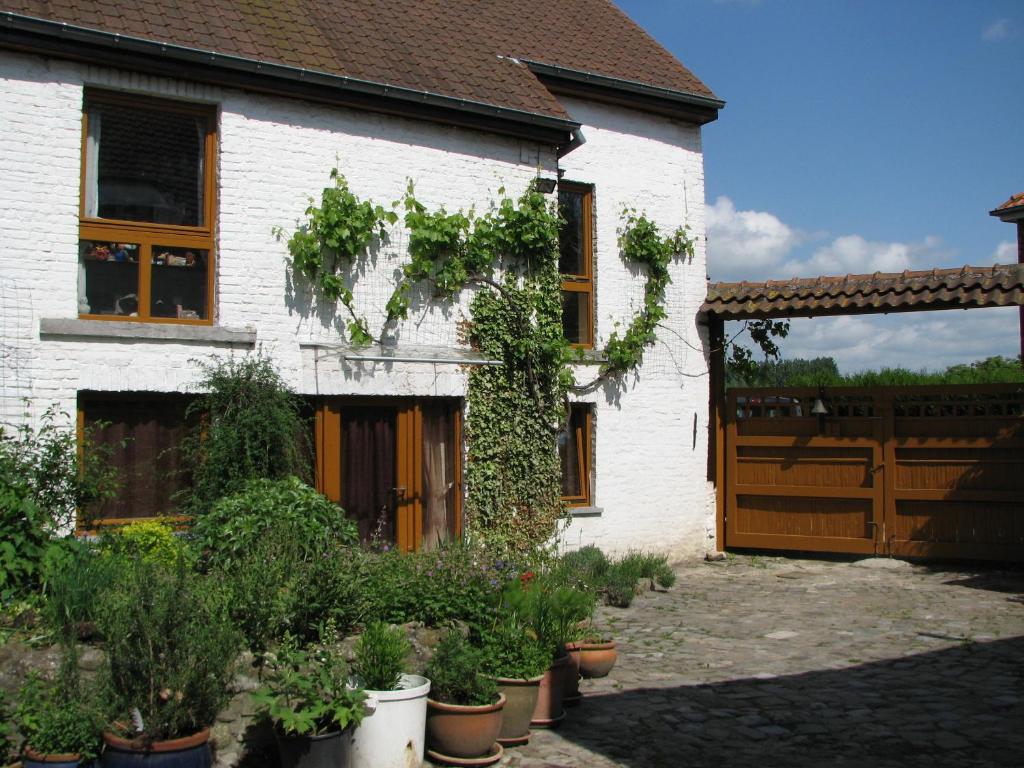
[
  {"x": 586, "y": 511},
  {"x": 59, "y": 327},
  {"x": 589, "y": 357}
]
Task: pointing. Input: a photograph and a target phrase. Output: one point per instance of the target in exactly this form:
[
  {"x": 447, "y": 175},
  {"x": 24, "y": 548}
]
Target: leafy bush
[
  {"x": 170, "y": 648},
  {"x": 286, "y": 510},
  {"x": 44, "y": 481},
  {"x": 74, "y": 575},
  {"x": 509, "y": 650},
  {"x": 455, "y": 676},
  {"x": 57, "y": 718},
  {"x": 381, "y": 652},
  {"x": 307, "y": 693},
  {"x": 620, "y": 586},
  {"x": 249, "y": 426},
  {"x": 453, "y": 583},
  {"x": 152, "y": 540}
]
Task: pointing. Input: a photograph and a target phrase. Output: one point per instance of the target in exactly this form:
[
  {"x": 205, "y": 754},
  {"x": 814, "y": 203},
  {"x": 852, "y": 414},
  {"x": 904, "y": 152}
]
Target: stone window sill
[
  {"x": 586, "y": 511},
  {"x": 59, "y": 327}
]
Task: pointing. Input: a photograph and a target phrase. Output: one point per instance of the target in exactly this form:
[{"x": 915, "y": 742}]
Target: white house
[{"x": 148, "y": 151}]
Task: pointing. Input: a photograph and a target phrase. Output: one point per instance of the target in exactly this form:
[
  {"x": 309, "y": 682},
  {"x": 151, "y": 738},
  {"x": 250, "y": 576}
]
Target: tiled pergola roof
[{"x": 959, "y": 288}]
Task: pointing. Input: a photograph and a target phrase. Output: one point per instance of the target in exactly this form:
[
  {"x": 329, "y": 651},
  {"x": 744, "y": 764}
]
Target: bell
[{"x": 819, "y": 408}]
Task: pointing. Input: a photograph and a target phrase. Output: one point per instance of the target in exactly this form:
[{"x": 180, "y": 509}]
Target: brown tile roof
[
  {"x": 962, "y": 287},
  {"x": 1014, "y": 205},
  {"x": 466, "y": 49}
]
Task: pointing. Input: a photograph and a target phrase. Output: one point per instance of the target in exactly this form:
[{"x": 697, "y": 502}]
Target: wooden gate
[{"x": 932, "y": 471}]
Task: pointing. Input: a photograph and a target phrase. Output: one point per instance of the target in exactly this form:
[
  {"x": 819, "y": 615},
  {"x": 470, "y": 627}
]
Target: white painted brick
[{"x": 273, "y": 154}]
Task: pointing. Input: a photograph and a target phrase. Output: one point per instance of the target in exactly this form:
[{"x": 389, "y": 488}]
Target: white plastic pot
[{"x": 392, "y": 733}]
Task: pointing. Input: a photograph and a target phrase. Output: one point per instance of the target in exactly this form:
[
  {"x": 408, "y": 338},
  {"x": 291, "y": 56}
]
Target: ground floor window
[
  {"x": 142, "y": 433},
  {"x": 394, "y": 466},
  {"x": 574, "y": 450}
]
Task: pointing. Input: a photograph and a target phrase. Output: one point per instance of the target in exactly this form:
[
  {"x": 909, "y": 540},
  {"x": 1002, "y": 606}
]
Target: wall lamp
[{"x": 546, "y": 186}]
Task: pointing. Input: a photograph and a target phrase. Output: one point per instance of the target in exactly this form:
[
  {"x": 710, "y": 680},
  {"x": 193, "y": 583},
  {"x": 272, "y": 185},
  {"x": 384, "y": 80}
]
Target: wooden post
[{"x": 716, "y": 422}]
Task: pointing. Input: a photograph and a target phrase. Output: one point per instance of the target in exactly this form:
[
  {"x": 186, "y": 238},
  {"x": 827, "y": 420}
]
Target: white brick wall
[{"x": 273, "y": 154}]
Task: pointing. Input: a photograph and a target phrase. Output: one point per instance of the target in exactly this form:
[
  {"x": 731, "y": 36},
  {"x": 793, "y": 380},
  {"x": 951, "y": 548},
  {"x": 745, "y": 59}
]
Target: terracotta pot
[
  {"x": 597, "y": 659},
  {"x": 549, "y": 711},
  {"x": 459, "y": 731},
  {"x": 571, "y": 694},
  {"x": 187, "y": 752},
  {"x": 520, "y": 701},
  {"x": 33, "y": 759}
]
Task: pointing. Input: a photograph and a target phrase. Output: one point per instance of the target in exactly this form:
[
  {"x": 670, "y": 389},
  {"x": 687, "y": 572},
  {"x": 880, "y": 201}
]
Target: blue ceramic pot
[{"x": 189, "y": 752}]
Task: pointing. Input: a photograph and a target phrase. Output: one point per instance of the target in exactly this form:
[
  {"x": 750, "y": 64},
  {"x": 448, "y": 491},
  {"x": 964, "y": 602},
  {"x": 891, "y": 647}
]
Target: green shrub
[
  {"x": 249, "y": 426},
  {"x": 262, "y": 586},
  {"x": 620, "y": 586},
  {"x": 58, "y": 718},
  {"x": 381, "y": 653},
  {"x": 286, "y": 510},
  {"x": 44, "y": 481},
  {"x": 455, "y": 674},
  {"x": 453, "y": 583},
  {"x": 74, "y": 576},
  {"x": 510, "y": 650},
  {"x": 664, "y": 575},
  {"x": 335, "y": 587},
  {"x": 152, "y": 540},
  {"x": 307, "y": 693},
  {"x": 170, "y": 648},
  {"x": 551, "y": 611}
]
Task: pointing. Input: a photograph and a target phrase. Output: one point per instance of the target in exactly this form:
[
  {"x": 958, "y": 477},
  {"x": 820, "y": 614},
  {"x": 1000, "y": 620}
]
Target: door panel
[
  {"x": 368, "y": 472},
  {"x": 394, "y": 466}
]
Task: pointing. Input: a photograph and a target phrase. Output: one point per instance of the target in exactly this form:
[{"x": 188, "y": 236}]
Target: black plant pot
[{"x": 331, "y": 750}]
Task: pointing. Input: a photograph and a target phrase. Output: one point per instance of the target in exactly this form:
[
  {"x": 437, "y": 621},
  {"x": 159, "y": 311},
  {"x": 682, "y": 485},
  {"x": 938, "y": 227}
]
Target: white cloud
[
  {"x": 1005, "y": 253},
  {"x": 853, "y": 254},
  {"x": 746, "y": 244},
  {"x": 758, "y": 245},
  {"x": 914, "y": 340},
  {"x": 997, "y": 30}
]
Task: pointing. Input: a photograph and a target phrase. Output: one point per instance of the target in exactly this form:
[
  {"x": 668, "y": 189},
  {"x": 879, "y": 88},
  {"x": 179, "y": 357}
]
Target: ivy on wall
[{"x": 516, "y": 410}]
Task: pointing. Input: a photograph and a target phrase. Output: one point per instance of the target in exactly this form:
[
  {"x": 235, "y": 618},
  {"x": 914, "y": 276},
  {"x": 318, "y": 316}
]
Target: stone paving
[{"x": 766, "y": 661}]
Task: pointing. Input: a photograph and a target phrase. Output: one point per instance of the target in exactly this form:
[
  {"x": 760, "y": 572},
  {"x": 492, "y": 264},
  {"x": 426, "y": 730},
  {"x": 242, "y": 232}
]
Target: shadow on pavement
[{"x": 960, "y": 706}]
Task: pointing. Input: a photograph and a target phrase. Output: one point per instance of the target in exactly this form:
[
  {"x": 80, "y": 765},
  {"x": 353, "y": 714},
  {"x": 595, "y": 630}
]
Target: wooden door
[
  {"x": 399, "y": 481},
  {"x": 911, "y": 471},
  {"x": 795, "y": 482}
]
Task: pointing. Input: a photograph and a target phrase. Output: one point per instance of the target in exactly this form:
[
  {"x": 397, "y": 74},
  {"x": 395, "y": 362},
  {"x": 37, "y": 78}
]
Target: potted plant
[
  {"x": 597, "y": 654},
  {"x": 171, "y": 650},
  {"x": 552, "y": 612},
  {"x": 313, "y": 709},
  {"x": 517, "y": 661},
  {"x": 392, "y": 733},
  {"x": 464, "y": 712},
  {"x": 60, "y": 726}
]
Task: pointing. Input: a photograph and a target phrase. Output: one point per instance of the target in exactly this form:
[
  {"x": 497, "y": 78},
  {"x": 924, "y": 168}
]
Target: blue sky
[{"x": 859, "y": 136}]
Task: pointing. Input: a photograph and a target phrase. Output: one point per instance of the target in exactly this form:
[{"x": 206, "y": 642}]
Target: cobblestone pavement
[{"x": 758, "y": 661}]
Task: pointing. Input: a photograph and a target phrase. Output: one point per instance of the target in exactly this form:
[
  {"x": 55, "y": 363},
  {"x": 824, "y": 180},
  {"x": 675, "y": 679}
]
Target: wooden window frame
[
  {"x": 84, "y": 400},
  {"x": 149, "y": 235},
  {"x": 583, "y": 283},
  {"x": 583, "y": 439}
]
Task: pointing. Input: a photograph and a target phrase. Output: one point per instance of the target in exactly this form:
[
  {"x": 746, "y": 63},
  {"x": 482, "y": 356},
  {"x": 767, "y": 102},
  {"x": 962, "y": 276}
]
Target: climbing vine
[
  {"x": 641, "y": 242},
  {"x": 510, "y": 251}
]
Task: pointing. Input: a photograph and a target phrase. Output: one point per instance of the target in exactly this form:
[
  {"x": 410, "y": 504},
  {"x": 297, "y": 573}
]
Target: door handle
[{"x": 399, "y": 491}]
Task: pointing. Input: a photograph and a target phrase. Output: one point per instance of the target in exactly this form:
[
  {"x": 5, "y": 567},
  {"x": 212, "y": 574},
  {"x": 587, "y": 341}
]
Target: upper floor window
[
  {"x": 147, "y": 209},
  {"x": 576, "y": 263}
]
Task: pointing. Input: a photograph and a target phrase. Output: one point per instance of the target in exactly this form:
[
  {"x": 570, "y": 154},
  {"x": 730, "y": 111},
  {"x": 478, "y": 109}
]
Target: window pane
[
  {"x": 576, "y": 317},
  {"x": 145, "y": 164},
  {"x": 179, "y": 279},
  {"x": 571, "y": 258},
  {"x": 439, "y": 521},
  {"x": 143, "y": 437},
  {"x": 569, "y": 443},
  {"x": 108, "y": 278}
]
